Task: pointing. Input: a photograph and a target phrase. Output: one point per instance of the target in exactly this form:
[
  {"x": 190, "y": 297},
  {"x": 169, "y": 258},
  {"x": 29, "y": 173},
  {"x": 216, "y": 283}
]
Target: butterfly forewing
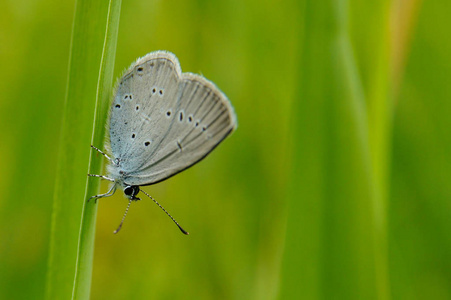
[{"x": 170, "y": 120}]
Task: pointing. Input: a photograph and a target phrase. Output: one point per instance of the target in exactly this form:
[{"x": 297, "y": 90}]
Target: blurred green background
[{"x": 335, "y": 185}]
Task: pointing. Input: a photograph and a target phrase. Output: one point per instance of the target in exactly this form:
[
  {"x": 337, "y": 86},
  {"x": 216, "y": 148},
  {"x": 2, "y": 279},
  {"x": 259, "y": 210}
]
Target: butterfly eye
[
  {"x": 128, "y": 191},
  {"x": 131, "y": 191}
]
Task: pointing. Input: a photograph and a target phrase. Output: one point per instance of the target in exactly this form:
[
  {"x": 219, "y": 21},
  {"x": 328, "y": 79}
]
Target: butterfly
[{"x": 161, "y": 122}]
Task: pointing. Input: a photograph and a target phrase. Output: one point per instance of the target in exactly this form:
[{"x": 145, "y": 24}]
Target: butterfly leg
[
  {"x": 101, "y": 176},
  {"x": 107, "y": 194},
  {"x": 103, "y": 153}
]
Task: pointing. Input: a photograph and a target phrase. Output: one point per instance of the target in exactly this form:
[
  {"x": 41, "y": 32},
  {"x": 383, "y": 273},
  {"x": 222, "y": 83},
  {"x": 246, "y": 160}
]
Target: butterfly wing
[{"x": 164, "y": 121}]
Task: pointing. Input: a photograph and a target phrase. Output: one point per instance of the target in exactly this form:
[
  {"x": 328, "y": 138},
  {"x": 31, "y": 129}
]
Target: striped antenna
[
  {"x": 123, "y": 218},
  {"x": 180, "y": 227}
]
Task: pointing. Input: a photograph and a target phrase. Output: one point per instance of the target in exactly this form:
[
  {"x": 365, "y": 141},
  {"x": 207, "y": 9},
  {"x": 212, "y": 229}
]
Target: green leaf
[{"x": 89, "y": 85}]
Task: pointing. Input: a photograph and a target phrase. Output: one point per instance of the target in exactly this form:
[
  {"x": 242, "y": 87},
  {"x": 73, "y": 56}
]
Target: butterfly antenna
[
  {"x": 123, "y": 218},
  {"x": 180, "y": 227}
]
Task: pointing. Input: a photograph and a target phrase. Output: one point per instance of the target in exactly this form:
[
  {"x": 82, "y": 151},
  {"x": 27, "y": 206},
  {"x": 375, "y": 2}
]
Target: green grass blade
[
  {"x": 83, "y": 275},
  {"x": 89, "y": 82},
  {"x": 379, "y": 132},
  {"x": 329, "y": 242}
]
